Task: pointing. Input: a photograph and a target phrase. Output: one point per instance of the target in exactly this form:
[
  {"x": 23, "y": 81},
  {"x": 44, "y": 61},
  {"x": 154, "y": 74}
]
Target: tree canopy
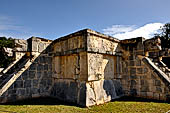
[
  {"x": 165, "y": 36},
  {"x": 4, "y": 42},
  {"x": 4, "y": 59}
]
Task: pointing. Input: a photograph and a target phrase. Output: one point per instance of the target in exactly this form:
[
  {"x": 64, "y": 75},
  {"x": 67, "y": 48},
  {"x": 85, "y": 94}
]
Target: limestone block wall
[
  {"x": 69, "y": 67},
  {"x": 99, "y": 43},
  {"x": 18, "y": 52},
  {"x": 84, "y": 67},
  {"x": 36, "y": 44},
  {"x": 153, "y": 44},
  {"x": 142, "y": 81},
  {"x": 33, "y": 82},
  {"x": 21, "y": 46},
  {"x": 137, "y": 78},
  {"x": 101, "y": 66},
  {"x": 102, "y": 56},
  {"x": 69, "y": 90},
  {"x": 102, "y": 85},
  {"x": 89, "y": 68},
  {"x": 70, "y": 44},
  {"x": 69, "y": 78}
]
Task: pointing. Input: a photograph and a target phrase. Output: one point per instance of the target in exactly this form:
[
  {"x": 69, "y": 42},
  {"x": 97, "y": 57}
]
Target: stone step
[
  {"x": 15, "y": 68},
  {"x": 162, "y": 67},
  {"x": 4, "y": 81},
  {"x": 167, "y": 72}
]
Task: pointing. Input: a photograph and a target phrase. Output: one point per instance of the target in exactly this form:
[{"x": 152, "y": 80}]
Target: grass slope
[{"x": 55, "y": 106}]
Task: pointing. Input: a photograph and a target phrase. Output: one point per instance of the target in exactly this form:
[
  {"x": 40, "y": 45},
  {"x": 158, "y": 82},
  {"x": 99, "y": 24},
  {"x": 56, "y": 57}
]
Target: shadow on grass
[
  {"x": 41, "y": 101},
  {"x": 139, "y": 99},
  {"x": 54, "y": 101}
]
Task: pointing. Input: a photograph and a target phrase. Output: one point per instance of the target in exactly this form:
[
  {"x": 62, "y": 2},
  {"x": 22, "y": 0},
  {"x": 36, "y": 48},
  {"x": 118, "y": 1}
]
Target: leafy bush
[
  {"x": 4, "y": 59},
  {"x": 165, "y": 36}
]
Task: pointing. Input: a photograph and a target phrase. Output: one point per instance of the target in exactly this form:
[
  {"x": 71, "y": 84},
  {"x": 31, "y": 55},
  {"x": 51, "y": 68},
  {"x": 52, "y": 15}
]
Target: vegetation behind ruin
[
  {"x": 165, "y": 36},
  {"x": 4, "y": 59}
]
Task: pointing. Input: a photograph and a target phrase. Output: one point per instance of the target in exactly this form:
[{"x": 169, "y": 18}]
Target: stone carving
[{"x": 153, "y": 44}]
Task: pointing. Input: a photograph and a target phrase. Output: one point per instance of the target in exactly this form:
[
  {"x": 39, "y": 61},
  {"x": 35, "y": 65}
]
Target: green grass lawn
[{"x": 54, "y": 106}]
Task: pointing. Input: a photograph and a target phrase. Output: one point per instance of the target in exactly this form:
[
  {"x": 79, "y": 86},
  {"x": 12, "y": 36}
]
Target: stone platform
[{"x": 86, "y": 68}]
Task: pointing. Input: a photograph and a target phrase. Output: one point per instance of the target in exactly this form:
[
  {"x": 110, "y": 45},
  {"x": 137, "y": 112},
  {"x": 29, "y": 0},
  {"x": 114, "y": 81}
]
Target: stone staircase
[
  {"x": 159, "y": 67},
  {"x": 4, "y": 78},
  {"x": 9, "y": 77},
  {"x": 162, "y": 66}
]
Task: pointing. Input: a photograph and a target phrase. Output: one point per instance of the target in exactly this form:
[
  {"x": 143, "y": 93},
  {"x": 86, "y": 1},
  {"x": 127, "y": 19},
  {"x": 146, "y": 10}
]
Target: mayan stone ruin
[{"x": 87, "y": 68}]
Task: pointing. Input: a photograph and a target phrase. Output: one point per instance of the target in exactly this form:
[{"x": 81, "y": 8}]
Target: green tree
[
  {"x": 4, "y": 59},
  {"x": 165, "y": 36}
]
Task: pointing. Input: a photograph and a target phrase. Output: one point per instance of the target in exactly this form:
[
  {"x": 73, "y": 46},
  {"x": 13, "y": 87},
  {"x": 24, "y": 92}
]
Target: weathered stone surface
[
  {"x": 40, "y": 67},
  {"x": 21, "y": 92},
  {"x": 27, "y": 83},
  {"x": 99, "y": 92},
  {"x": 147, "y": 83},
  {"x": 132, "y": 71},
  {"x": 41, "y": 47},
  {"x": 97, "y": 44},
  {"x": 19, "y": 84},
  {"x": 21, "y": 45},
  {"x": 70, "y": 44},
  {"x": 33, "y": 66},
  {"x": 140, "y": 70},
  {"x": 100, "y": 66},
  {"x": 132, "y": 63},
  {"x": 32, "y": 74},
  {"x": 152, "y": 45},
  {"x": 88, "y": 68},
  {"x": 69, "y": 91},
  {"x": 157, "y": 83},
  {"x": 35, "y": 83}
]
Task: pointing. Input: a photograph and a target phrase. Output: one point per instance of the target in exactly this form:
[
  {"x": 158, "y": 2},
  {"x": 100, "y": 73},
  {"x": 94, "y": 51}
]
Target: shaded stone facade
[
  {"x": 140, "y": 76},
  {"x": 87, "y": 68}
]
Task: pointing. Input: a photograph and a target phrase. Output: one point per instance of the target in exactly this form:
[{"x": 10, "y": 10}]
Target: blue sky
[{"x": 54, "y": 18}]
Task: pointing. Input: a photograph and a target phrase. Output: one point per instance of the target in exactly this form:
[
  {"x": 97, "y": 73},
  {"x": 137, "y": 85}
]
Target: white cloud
[
  {"x": 4, "y": 19},
  {"x": 7, "y": 24},
  {"x": 9, "y": 28},
  {"x": 118, "y": 29},
  {"x": 126, "y": 32}
]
